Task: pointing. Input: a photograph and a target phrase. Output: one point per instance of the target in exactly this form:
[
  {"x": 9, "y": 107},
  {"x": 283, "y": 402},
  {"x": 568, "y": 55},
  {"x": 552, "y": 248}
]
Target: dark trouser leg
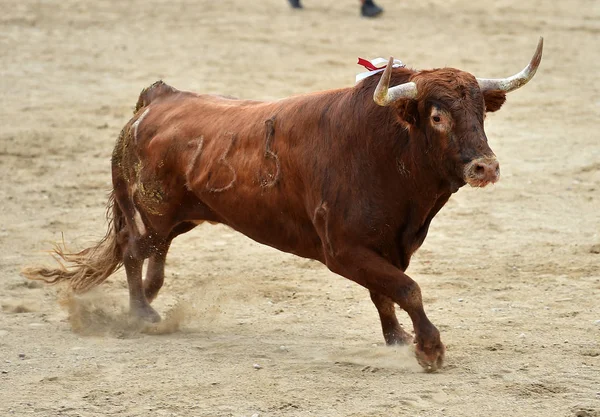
[{"x": 370, "y": 9}]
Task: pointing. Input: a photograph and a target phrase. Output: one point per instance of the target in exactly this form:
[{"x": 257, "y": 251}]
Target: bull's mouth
[
  {"x": 482, "y": 171},
  {"x": 480, "y": 183}
]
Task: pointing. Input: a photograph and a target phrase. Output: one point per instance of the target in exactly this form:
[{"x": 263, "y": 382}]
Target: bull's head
[{"x": 448, "y": 106}]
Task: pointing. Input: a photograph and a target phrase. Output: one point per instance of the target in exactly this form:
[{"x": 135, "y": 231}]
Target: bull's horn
[
  {"x": 384, "y": 95},
  {"x": 517, "y": 80}
]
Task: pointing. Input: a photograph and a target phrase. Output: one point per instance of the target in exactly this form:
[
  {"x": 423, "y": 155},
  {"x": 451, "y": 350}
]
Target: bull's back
[{"x": 238, "y": 159}]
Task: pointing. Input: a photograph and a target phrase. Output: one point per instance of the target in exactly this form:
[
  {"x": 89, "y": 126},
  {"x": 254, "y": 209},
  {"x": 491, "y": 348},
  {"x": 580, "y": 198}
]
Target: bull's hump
[{"x": 157, "y": 90}]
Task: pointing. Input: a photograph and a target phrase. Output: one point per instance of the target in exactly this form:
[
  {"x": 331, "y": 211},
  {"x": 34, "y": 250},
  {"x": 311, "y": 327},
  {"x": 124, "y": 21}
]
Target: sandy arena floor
[{"x": 510, "y": 274}]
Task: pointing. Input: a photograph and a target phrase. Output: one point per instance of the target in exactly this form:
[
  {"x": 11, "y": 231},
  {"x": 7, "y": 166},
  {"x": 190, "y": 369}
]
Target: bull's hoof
[
  {"x": 145, "y": 313},
  {"x": 430, "y": 358}
]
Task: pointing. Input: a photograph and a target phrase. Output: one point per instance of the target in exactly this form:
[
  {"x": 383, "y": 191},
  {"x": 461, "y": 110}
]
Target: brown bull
[{"x": 350, "y": 177}]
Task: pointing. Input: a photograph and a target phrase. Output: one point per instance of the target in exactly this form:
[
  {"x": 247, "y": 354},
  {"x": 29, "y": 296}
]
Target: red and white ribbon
[{"x": 374, "y": 66}]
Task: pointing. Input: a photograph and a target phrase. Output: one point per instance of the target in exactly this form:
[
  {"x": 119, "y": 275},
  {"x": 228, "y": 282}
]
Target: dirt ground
[{"x": 509, "y": 273}]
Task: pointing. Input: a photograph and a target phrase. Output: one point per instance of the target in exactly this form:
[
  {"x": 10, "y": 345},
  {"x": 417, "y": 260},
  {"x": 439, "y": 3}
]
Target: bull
[{"x": 350, "y": 177}]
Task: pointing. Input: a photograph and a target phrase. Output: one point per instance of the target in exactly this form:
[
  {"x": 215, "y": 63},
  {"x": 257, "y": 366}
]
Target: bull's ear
[
  {"x": 494, "y": 99},
  {"x": 409, "y": 111}
]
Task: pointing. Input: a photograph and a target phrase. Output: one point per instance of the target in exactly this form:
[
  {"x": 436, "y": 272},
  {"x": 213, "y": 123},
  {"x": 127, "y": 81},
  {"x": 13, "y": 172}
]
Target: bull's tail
[{"x": 90, "y": 267}]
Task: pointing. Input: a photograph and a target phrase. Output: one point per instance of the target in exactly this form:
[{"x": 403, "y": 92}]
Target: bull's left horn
[
  {"x": 384, "y": 95},
  {"x": 518, "y": 80}
]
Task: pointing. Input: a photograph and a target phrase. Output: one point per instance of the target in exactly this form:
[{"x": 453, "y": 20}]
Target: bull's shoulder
[{"x": 157, "y": 90}]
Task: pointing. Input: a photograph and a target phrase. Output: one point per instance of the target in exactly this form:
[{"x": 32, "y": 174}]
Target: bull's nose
[
  {"x": 485, "y": 170},
  {"x": 482, "y": 171}
]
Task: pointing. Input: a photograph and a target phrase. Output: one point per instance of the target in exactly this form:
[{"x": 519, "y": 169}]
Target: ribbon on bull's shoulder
[{"x": 374, "y": 66}]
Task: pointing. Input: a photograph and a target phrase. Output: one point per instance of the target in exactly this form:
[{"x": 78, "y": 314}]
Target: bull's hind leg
[
  {"x": 393, "y": 333},
  {"x": 136, "y": 249},
  {"x": 138, "y": 304},
  {"x": 138, "y": 242},
  {"x": 155, "y": 275}
]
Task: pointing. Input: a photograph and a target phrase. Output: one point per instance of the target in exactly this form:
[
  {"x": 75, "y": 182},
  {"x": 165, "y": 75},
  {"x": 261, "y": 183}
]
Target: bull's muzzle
[{"x": 482, "y": 171}]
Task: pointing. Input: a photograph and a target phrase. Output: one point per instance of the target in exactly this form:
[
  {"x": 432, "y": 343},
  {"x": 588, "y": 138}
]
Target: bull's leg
[
  {"x": 393, "y": 333},
  {"x": 137, "y": 243},
  {"x": 155, "y": 275},
  {"x": 377, "y": 274},
  {"x": 138, "y": 304}
]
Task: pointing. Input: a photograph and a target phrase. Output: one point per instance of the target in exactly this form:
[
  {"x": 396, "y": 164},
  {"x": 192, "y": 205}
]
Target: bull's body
[
  {"x": 288, "y": 174},
  {"x": 350, "y": 177}
]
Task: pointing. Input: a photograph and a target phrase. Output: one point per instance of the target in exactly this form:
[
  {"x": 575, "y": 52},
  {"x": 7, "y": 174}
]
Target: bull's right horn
[{"x": 384, "y": 95}]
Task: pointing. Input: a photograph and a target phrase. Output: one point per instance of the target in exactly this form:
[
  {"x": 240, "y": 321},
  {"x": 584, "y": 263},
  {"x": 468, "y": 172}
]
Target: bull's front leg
[
  {"x": 393, "y": 333},
  {"x": 377, "y": 274}
]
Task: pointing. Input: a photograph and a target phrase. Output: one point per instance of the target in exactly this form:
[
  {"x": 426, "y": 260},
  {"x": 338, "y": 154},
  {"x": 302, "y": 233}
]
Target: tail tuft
[{"x": 90, "y": 267}]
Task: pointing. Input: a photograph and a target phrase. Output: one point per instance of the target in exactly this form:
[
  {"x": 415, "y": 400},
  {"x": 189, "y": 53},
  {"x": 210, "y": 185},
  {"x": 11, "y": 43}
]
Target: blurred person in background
[{"x": 368, "y": 8}]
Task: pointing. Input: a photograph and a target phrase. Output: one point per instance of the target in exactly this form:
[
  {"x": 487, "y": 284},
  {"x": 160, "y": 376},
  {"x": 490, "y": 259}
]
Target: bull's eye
[{"x": 437, "y": 119}]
